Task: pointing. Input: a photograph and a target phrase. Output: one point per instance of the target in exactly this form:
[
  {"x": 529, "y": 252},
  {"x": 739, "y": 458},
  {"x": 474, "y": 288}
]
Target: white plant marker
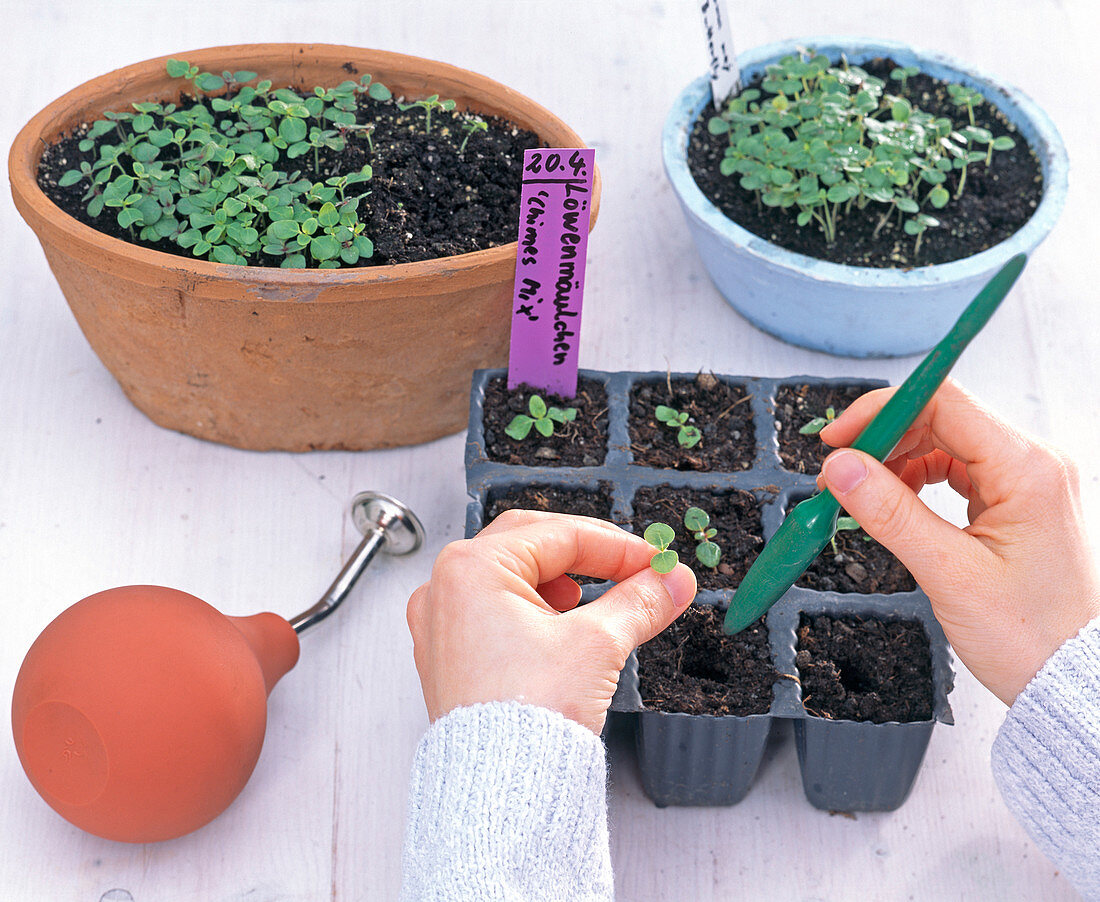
[{"x": 725, "y": 74}]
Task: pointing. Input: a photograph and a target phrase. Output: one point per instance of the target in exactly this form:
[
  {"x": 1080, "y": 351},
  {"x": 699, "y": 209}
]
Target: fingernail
[
  {"x": 680, "y": 584},
  {"x": 844, "y": 470}
]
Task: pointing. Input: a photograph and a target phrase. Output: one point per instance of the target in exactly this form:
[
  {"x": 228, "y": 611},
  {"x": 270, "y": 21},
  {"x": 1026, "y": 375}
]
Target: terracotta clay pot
[{"x": 267, "y": 358}]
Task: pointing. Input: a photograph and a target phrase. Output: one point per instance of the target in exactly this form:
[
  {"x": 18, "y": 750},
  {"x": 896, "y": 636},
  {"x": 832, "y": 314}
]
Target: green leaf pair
[
  {"x": 697, "y": 522},
  {"x": 661, "y": 536},
  {"x": 427, "y": 105},
  {"x": 688, "y": 436},
  {"x": 542, "y": 419},
  {"x": 818, "y": 423}
]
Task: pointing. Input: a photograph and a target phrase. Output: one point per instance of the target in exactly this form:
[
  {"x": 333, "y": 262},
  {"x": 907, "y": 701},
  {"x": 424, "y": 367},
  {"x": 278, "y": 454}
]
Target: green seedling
[
  {"x": 427, "y": 105},
  {"x": 967, "y": 97},
  {"x": 542, "y": 418},
  {"x": 903, "y": 74},
  {"x": 917, "y": 225},
  {"x": 373, "y": 89},
  {"x": 818, "y": 423},
  {"x": 687, "y": 435},
  {"x": 213, "y": 177},
  {"x": 471, "y": 127},
  {"x": 697, "y": 522},
  {"x": 824, "y": 140},
  {"x": 845, "y": 524},
  {"x": 660, "y": 536}
]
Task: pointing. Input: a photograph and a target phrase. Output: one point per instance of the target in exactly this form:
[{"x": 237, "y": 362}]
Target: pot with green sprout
[
  {"x": 305, "y": 347},
  {"x": 820, "y": 145},
  {"x": 702, "y": 705}
]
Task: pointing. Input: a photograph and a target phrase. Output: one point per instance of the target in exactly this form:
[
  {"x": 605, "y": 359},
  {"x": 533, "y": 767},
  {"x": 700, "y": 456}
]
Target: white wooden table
[{"x": 93, "y": 495}]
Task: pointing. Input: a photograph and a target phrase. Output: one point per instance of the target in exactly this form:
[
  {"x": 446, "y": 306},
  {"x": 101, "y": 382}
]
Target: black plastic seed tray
[{"x": 703, "y": 759}]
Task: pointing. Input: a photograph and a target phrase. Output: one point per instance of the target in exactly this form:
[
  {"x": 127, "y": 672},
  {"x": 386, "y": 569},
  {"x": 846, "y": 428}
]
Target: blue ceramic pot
[{"x": 854, "y": 311}]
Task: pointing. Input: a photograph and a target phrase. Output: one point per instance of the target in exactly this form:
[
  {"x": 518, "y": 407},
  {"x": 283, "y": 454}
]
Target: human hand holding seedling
[
  {"x": 687, "y": 435},
  {"x": 1017, "y": 582},
  {"x": 542, "y": 418},
  {"x": 498, "y": 619}
]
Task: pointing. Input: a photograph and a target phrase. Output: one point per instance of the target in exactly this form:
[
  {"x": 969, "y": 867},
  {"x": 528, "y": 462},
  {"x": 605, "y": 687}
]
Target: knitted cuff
[
  {"x": 507, "y": 801},
  {"x": 1046, "y": 759}
]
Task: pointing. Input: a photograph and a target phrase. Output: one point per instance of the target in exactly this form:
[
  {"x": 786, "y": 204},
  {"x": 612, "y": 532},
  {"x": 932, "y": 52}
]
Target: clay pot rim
[{"x": 26, "y": 151}]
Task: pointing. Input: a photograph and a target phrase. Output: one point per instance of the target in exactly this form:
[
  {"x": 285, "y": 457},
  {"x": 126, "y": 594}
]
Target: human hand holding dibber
[
  {"x": 139, "y": 712},
  {"x": 806, "y": 530}
]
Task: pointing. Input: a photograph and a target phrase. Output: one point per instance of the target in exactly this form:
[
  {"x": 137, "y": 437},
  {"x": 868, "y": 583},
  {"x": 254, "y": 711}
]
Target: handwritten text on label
[
  {"x": 554, "y": 211},
  {"x": 725, "y": 74}
]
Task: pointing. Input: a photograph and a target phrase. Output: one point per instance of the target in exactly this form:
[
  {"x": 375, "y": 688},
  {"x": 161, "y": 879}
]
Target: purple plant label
[
  {"x": 725, "y": 74},
  {"x": 554, "y": 210}
]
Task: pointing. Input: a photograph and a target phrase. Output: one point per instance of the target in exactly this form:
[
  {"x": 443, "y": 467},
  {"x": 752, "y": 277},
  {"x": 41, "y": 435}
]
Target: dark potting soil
[
  {"x": 870, "y": 670},
  {"x": 580, "y": 443},
  {"x": 996, "y": 202},
  {"x": 795, "y": 406},
  {"x": 734, "y": 513},
  {"x": 720, "y": 411},
  {"x": 426, "y": 199},
  {"x": 554, "y": 500},
  {"x": 692, "y": 667},
  {"x": 551, "y": 499},
  {"x": 859, "y": 564}
]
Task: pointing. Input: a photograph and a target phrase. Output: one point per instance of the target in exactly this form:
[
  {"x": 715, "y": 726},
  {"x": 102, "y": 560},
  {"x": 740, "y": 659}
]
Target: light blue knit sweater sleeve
[
  {"x": 507, "y": 802},
  {"x": 1046, "y": 759}
]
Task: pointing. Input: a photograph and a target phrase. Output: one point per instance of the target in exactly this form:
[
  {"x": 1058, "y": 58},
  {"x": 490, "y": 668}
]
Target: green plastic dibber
[{"x": 808, "y": 528}]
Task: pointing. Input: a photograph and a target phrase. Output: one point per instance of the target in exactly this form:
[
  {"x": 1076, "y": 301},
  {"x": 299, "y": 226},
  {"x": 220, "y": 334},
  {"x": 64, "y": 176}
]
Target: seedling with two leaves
[
  {"x": 542, "y": 419},
  {"x": 818, "y": 423},
  {"x": 427, "y": 105},
  {"x": 471, "y": 127},
  {"x": 661, "y": 536},
  {"x": 847, "y": 524},
  {"x": 707, "y": 552},
  {"x": 687, "y": 435}
]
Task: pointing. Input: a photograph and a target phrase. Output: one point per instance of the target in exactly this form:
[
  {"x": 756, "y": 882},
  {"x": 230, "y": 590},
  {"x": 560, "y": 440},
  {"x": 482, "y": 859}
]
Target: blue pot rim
[{"x": 1044, "y": 140}]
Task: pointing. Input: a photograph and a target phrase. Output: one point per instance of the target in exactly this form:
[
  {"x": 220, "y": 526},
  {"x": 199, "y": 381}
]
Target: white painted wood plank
[{"x": 92, "y": 494}]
